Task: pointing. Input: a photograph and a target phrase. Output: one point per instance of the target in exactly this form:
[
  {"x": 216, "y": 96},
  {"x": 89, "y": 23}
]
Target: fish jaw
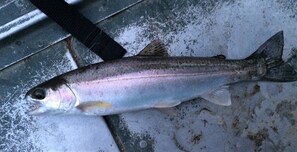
[{"x": 39, "y": 110}]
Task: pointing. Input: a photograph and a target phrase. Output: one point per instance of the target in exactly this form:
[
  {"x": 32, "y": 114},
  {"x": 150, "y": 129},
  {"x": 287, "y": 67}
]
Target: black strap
[{"x": 81, "y": 28}]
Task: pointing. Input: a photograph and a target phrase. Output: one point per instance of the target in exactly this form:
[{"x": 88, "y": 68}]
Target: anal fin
[
  {"x": 166, "y": 104},
  {"x": 220, "y": 96}
]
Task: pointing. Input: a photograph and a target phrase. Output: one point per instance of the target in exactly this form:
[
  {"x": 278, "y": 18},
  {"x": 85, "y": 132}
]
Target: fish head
[{"x": 51, "y": 96}]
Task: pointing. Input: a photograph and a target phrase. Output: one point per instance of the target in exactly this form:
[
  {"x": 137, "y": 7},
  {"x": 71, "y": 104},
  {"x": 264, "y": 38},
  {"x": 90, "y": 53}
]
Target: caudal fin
[{"x": 277, "y": 69}]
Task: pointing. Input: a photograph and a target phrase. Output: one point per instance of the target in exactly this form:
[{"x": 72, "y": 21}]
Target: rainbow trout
[{"x": 152, "y": 79}]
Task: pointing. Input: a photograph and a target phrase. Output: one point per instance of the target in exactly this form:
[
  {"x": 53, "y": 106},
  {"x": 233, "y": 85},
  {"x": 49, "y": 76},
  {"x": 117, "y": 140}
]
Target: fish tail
[{"x": 276, "y": 69}]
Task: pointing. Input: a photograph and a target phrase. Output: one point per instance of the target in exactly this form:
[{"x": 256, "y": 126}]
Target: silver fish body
[{"x": 143, "y": 82}]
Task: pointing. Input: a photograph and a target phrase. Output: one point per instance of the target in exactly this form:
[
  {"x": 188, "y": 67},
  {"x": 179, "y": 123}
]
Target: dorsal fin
[{"x": 155, "y": 48}]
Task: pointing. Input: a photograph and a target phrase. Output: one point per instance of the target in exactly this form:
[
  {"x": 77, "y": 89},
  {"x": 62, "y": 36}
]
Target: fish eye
[{"x": 39, "y": 94}]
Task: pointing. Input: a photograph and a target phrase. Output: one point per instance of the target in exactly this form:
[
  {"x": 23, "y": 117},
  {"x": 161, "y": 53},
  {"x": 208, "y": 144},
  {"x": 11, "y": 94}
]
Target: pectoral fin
[
  {"x": 88, "y": 106},
  {"x": 219, "y": 96}
]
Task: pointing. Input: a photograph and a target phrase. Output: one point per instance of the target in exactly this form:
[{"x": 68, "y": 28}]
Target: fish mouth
[{"x": 36, "y": 109}]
